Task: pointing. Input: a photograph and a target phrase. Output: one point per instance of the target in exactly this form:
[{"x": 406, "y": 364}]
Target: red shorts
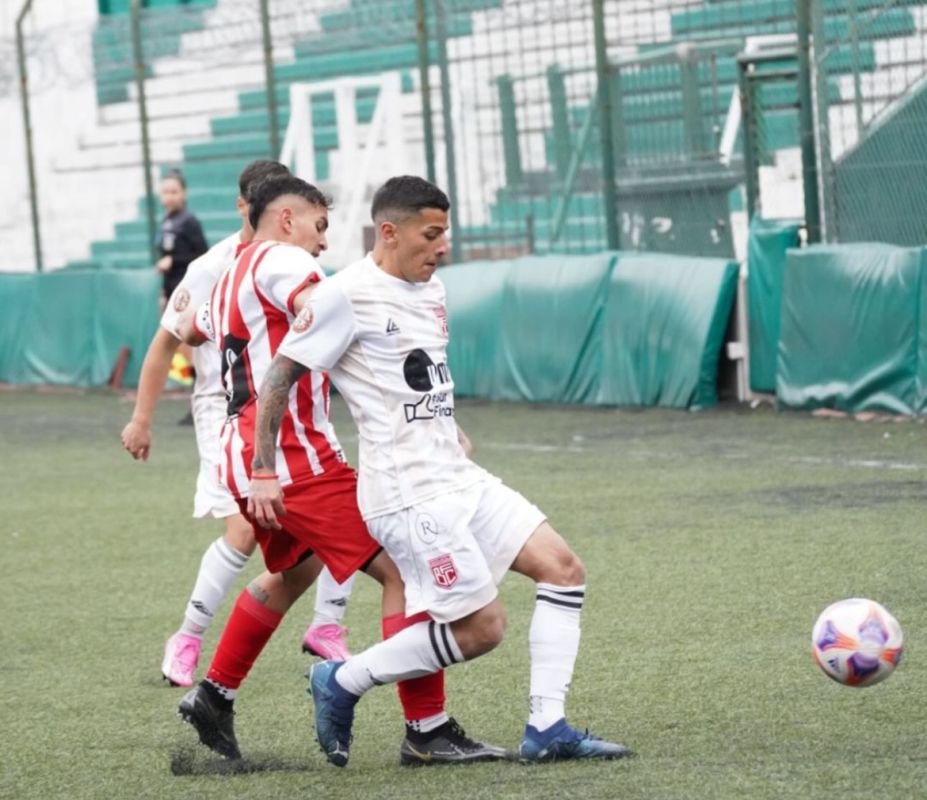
[{"x": 322, "y": 518}]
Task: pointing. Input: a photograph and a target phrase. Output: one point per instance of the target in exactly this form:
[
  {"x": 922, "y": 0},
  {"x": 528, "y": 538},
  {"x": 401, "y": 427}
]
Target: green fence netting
[
  {"x": 850, "y": 329},
  {"x": 664, "y": 329},
  {"x": 67, "y": 327},
  {"x": 766, "y": 253}
]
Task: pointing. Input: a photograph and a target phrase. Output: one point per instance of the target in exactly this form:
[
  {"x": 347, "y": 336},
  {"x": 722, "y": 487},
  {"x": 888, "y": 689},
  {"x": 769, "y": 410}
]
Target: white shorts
[
  {"x": 211, "y": 496},
  {"x": 453, "y": 550}
]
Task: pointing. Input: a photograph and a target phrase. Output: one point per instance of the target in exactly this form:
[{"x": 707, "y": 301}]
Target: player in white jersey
[
  {"x": 249, "y": 313},
  {"x": 225, "y": 558},
  {"x": 380, "y": 329}
]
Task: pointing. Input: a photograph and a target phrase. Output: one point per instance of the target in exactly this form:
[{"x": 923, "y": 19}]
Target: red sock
[
  {"x": 420, "y": 697},
  {"x": 249, "y": 628}
]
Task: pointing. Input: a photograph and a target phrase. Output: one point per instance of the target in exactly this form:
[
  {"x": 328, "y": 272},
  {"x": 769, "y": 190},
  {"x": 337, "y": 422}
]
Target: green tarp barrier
[
  {"x": 550, "y": 335},
  {"x": 66, "y": 327},
  {"x": 612, "y": 329},
  {"x": 474, "y": 292},
  {"x": 664, "y": 330},
  {"x": 850, "y": 335},
  {"x": 766, "y": 253}
]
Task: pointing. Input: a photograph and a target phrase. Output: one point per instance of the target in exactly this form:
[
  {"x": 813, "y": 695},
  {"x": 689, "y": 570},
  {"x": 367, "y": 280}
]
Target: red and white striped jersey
[{"x": 248, "y": 315}]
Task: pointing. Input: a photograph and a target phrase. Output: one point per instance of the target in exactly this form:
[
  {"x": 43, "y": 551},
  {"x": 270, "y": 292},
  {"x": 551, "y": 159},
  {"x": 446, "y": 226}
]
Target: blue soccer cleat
[
  {"x": 334, "y": 711},
  {"x": 560, "y": 742}
]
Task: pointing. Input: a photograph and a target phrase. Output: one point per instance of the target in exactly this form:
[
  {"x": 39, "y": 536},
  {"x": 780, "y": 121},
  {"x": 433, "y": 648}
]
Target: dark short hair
[
  {"x": 264, "y": 192},
  {"x": 177, "y": 175},
  {"x": 257, "y": 171},
  {"x": 404, "y": 196}
]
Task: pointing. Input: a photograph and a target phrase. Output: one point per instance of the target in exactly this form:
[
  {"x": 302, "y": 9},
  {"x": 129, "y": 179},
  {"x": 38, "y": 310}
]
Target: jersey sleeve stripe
[{"x": 291, "y": 300}]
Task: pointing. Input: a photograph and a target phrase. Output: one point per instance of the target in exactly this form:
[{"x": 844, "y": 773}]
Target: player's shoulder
[
  {"x": 353, "y": 279},
  {"x": 217, "y": 258}
]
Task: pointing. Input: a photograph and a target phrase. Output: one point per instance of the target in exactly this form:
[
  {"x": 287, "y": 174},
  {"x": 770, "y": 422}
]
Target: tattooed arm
[{"x": 265, "y": 502}]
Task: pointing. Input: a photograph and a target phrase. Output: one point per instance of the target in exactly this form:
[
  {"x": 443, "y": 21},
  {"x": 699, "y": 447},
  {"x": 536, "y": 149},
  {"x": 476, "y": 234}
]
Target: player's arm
[
  {"x": 136, "y": 435},
  {"x": 465, "y": 442},
  {"x": 265, "y": 502},
  {"x": 194, "y": 327}
]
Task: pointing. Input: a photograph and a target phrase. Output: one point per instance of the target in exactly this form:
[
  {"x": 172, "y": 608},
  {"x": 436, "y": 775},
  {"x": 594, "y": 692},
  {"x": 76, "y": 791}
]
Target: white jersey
[
  {"x": 383, "y": 341},
  {"x": 191, "y": 292}
]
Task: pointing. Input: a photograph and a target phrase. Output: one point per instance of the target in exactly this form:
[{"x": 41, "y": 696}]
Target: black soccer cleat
[
  {"x": 447, "y": 744},
  {"x": 213, "y": 722}
]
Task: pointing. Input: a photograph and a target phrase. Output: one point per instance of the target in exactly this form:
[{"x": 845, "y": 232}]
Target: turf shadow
[{"x": 188, "y": 761}]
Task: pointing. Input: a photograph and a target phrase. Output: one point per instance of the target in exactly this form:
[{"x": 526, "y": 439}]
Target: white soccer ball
[{"x": 857, "y": 642}]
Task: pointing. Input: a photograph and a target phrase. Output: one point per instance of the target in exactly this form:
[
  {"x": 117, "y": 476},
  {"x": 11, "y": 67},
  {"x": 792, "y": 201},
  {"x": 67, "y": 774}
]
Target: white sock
[
  {"x": 428, "y": 723},
  {"x": 418, "y": 650},
  {"x": 331, "y": 598},
  {"x": 554, "y": 643},
  {"x": 220, "y": 566}
]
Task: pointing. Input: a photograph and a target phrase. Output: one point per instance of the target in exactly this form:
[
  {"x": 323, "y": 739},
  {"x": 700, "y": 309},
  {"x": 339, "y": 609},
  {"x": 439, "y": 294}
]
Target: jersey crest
[{"x": 443, "y": 570}]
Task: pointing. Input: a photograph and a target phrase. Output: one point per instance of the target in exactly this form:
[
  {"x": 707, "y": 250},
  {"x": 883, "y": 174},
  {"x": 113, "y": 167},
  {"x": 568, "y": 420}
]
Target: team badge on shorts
[
  {"x": 181, "y": 299},
  {"x": 444, "y": 571},
  {"x": 303, "y": 320}
]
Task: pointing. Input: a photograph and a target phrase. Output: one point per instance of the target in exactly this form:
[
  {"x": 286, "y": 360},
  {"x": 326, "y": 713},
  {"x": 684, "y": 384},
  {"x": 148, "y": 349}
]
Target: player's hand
[
  {"x": 265, "y": 503},
  {"x": 136, "y": 438},
  {"x": 164, "y": 263}
]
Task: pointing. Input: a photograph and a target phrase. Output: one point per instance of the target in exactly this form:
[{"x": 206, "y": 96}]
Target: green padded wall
[
  {"x": 66, "y": 327},
  {"x": 550, "y": 328},
  {"x": 613, "y": 329},
  {"x": 474, "y": 307},
  {"x": 766, "y": 252},
  {"x": 850, "y": 329},
  {"x": 664, "y": 329}
]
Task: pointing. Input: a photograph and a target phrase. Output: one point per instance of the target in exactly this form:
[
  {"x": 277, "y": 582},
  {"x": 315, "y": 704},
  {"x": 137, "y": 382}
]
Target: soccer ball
[{"x": 857, "y": 642}]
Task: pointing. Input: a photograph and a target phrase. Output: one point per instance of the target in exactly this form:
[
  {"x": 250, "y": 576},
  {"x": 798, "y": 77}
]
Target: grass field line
[{"x": 857, "y": 463}]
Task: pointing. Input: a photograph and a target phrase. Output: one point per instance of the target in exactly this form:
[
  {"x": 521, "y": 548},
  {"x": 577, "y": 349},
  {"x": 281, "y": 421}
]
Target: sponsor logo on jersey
[
  {"x": 391, "y": 327},
  {"x": 443, "y": 570},
  {"x": 303, "y": 320},
  {"x": 423, "y": 375},
  {"x": 181, "y": 299}
]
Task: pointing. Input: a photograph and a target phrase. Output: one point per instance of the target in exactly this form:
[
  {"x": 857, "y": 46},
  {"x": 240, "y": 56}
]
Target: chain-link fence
[
  {"x": 871, "y": 81},
  {"x": 556, "y": 127}
]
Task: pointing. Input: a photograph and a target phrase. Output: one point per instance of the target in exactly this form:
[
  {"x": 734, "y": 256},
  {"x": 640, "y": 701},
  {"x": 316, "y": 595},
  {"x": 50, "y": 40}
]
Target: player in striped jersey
[
  {"x": 380, "y": 328},
  {"x": 225, "y": 558},
  {"x": 250, "y": 311}
]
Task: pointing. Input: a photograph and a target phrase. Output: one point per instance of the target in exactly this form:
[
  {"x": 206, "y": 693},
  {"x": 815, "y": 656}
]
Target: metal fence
[
  {"x": 555, "y": 127},
  {"x": 871, "y": 118}
]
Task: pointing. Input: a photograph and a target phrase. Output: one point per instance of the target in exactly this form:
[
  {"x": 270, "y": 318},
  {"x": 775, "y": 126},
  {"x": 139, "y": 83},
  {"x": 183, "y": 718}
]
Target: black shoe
[
  {"x": 212, "y": 716},
  {"x": 187, "y": 420},
  {"x": 447, "y": 744}
]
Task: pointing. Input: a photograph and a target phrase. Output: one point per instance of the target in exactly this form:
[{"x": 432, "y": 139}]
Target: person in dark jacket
[{"x": 181, "y": 238}]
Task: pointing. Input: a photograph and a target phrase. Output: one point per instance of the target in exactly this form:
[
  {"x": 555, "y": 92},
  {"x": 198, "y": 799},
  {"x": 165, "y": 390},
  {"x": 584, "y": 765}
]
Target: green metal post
[
  {"x": 560, "y": 116},
  {"x": 749, "y": 124},
  {"x": 619, "y": 134},
  {"x": 569, "y": 182},
  {"x": 806, "y": 123},
  {"x": 448, "y": 120},
  {"x": 603, "y": 73},
  {"x": 510, "y": 150},
  {"x": 139, "y": 63},
  {"x": 857, "y": 78},
  {"x": 273, "y": 124},
  {"x": 691, "y": 103},
  {"x": 27, "y": 129},
  {"x": 424, "y": 64}
]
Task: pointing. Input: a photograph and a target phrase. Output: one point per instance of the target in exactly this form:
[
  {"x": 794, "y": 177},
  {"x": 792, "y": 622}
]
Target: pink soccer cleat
[
  {"x": 181, "y": 655},
  {"x": 327, "y": 641}
]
